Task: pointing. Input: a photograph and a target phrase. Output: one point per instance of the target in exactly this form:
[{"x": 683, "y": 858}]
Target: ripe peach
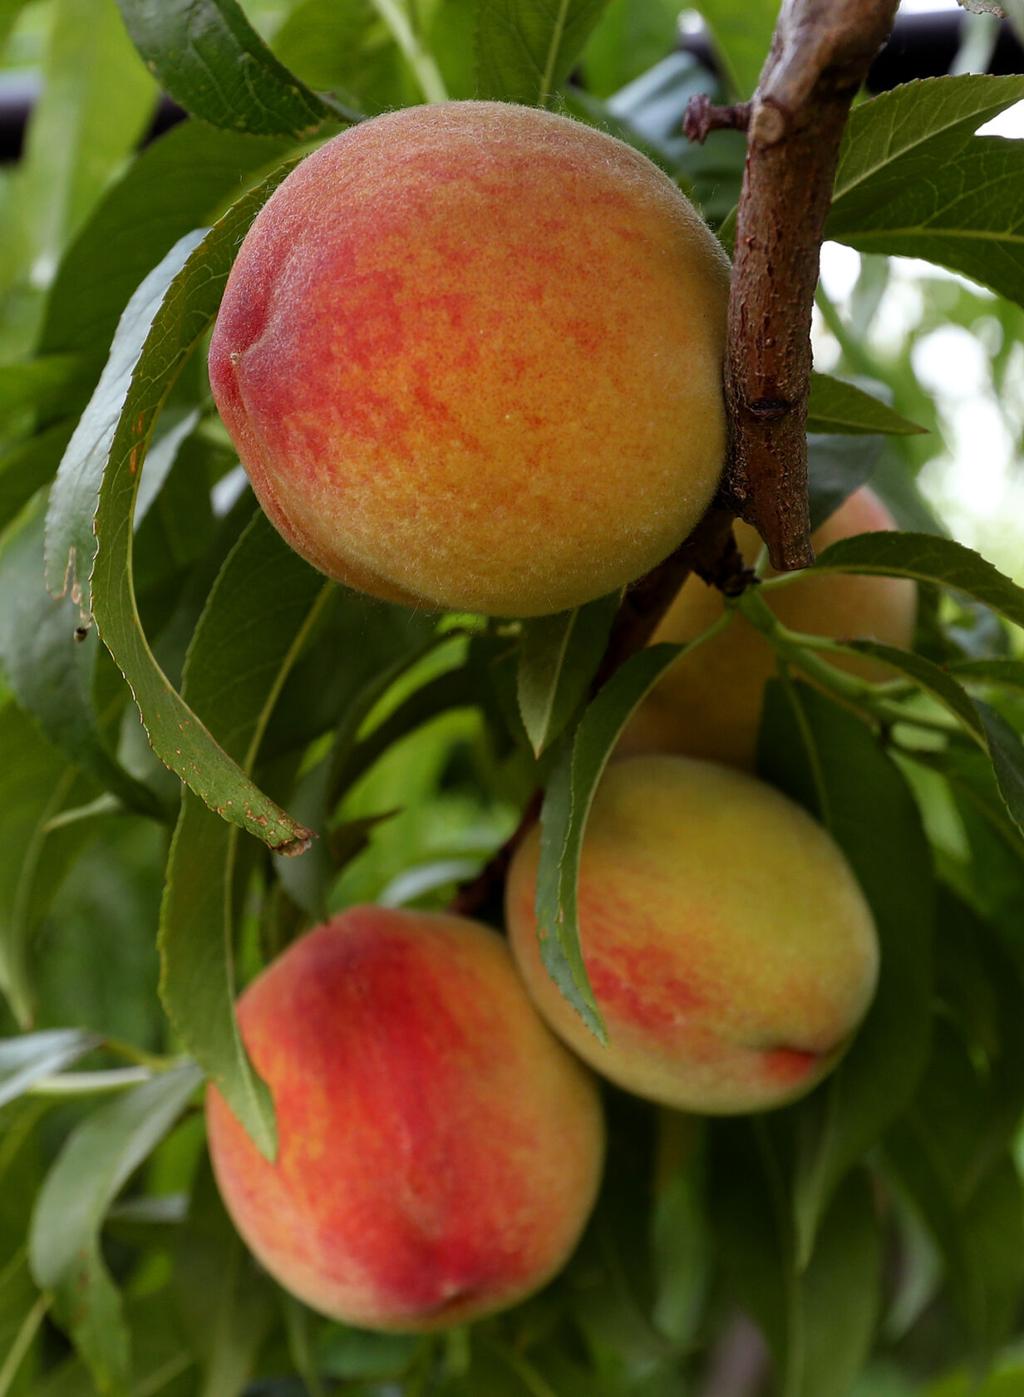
[
  {"x": 470, "y": 355},
  {"x": 709, "y": 704},
  {"x": 438, "y": 1149},
  {"x": 729, "y": 947}
]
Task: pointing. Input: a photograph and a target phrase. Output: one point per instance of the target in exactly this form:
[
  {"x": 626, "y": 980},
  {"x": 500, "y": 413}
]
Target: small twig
[{"x": 703, "y": 116}]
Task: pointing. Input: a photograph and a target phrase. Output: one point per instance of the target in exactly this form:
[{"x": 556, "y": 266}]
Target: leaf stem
[
  {"x": 156, "y": 1062},
  {"x": 22, "y": 1340},
  {"x": 799, "y": 650},
  {"x": 90, "y": 1083}
]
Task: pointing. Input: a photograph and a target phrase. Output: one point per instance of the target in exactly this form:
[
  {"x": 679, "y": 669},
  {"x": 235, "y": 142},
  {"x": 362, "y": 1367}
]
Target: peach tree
[{"x": 209, "y": 747}]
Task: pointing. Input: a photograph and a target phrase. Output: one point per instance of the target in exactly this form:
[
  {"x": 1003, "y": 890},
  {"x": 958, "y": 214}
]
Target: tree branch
[{"x": 820, "y": 54}]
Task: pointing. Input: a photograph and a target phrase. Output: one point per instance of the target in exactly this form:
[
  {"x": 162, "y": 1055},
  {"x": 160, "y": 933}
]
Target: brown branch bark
[{"x": 820, "y": 54}]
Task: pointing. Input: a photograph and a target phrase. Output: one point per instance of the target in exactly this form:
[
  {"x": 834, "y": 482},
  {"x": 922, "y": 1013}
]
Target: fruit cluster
[{"x": 471, "y": 356}]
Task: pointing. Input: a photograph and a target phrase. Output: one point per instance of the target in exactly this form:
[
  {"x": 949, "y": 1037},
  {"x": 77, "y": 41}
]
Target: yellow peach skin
[
  {"x": 709, "y": 704},
  {"x": 729, "y": 947},
  {"x": 439, "y": 1150},
  {"x": 470, "y": 355}
]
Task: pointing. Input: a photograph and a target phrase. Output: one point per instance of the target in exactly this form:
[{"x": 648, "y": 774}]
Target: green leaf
[
  {"x": 742, "y": 34},
  {"x": 839, "y": 1294},
  {"x": 837, "y": 466},
  {"x": 830, "y": 762},
  {"x": 25, "y": 1059},
  {"x": 558, "y": 659},
  {"x": 927, "y": 558},
  {"x": 209, "y": 58},
  {"x": 819, "y": 1319},
  {"x": 29, "y": 466},
  {"x": 1007, "y": 1382},
  {"x": 526, "y": 48},
  {"x": 9, "y": 12},
  {"x": 570, "y": 793},
  {"x": 913, "y": 180},
  {"x": 96, "y": 100},
  {"x": 226, "y": 1301},
  {"x": 1006, "y": 672},
  {"x": 630, "y": 37},
  {"x": 979, "y": 1230},
  {"x": 22, "y": 1311},
  {"x": 259, "y": 612},
  {"x": 976, "y": 1110},
  {"x": 70, "y": 541},
  {"x": 173, "y": 186},
  {"x": 64, "y": 1237},
  {"x": 1007, "y": 756},
  {"x": 165, "y": 319},
  {"x": 50, "y": 672},
  {"x": 35, "y": 783},
  {"x": 50, "y": 386},
  {"x": 836, "y": 406},
  {"x": 989, "y": 729}
]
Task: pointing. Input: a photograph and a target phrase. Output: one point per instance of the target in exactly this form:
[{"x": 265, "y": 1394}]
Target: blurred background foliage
[{"x": 645, "y": 1299}]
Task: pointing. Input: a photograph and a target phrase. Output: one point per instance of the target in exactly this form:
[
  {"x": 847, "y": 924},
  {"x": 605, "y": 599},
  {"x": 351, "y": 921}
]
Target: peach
[
  {"x": 728, "y": 944},
  {"x": 470, "y": 355},
  {"x": 439, "y": 1151},
  {"x": 709, "y": 704}
]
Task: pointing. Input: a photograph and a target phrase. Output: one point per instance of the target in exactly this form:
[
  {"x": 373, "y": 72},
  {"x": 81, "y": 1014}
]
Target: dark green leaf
[
  {"x": 1007, "y": 755},
  {"x": 50, "y": 386},
  {"x": 50, "y": 672},
  {"x": 29, "y": 466},
  {"x": 350, "y": 1354},
  {"x": 913, "y": 180},
  {"x": 839, "y": 1294},
  {"x": 832, "y": 764},
  {"x": 927, "y": 558},
  {"x": 162, "y": 325},
  {"x": 25, "y": 1059},
  {"x": 630, "y": 37},
  {"x": 742, "y": 32},
  {"x": 1007, "y": 672},
  {"x": 558, "y": 659},
  {"x": 526, "y": 48},
  {"x": 258, "y": 615},
  {"x": 980, "y": 1232},
  {"x": 977, "y": 1112},
  {"x": 818, "y": 1320},
  {"x": 570, "y": 792},
  {"x": 209, "y": 58},
  {"x": 22, "y": 1311},
  {"x": 35, "y": 783},
  {"x": 837, "y": 466},
  {"x": 226, "y": 1302},
  {"x": 64, "y": 1238},
  {"x": 836, "y": 406}
]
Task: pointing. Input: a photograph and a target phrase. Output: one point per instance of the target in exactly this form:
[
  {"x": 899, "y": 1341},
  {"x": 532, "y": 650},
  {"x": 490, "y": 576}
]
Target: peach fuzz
[
  {"x": 470, "y": 355},
  {"x": 728, "y": 945},
  {"x": 709, "y": 704},
  {"x": 439, "y": 1150}
]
